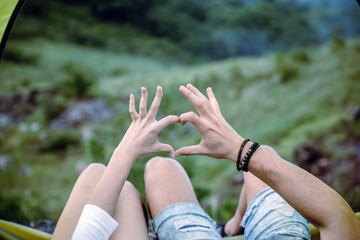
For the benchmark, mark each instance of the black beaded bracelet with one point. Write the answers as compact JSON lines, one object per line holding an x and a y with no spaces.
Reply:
{"x":238,"y":167}
{"x":248,"y":155}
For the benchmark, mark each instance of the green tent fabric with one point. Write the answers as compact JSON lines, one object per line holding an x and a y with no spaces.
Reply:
{"x":9,"y":9}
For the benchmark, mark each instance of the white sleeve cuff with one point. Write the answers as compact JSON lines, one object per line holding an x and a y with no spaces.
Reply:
{"x":94,"y":223}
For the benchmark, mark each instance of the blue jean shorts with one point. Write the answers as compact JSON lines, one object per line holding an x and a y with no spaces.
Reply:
{"x":181,"y":221}
{"x":269,"y":216}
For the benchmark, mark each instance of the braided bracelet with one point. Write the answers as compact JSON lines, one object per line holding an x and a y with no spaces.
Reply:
{"x":248,"y":155}
{"x":238,"y":167}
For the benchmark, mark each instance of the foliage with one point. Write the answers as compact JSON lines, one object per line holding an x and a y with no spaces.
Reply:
{"x":204,"y":28}
{"x":191,"y":28}
{"x":17,"y":55}
{"x":287,"y":69}
{"x":96,"y":149}
{"x":60,"y":141}
{"x":78,"y":83}
{"x":53,"y":107}
{"x":337,"y":44}
{"x":241,"y":85}
{"x":288,"y":73}
{"x":301,"y":56}
{"x":281,"y":101}
{"x":13,"y":207}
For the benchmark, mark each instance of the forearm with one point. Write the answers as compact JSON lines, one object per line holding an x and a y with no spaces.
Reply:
{"x":108,"y":189}
{"x":313,"y":199}
{"x":241,"y":208}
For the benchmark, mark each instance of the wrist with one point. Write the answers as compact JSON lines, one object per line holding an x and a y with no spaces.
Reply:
{"x":126,"y":151}
{"x":236,"y":143}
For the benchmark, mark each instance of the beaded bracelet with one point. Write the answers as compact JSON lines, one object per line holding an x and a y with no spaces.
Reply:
{"x":248,"y":155}
{"x":238,"y":167}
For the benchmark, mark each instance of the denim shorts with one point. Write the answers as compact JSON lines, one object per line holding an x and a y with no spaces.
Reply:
{"x":181,"y":221}
{"x":269,"y":216}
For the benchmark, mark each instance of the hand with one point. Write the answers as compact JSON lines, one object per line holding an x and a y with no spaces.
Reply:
{"x":141,"y":137}
{"x":232,"y":227}
{"x":219,"y":139}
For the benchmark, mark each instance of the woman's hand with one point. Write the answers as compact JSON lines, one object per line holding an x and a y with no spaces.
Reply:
{"x":219,"y":139}
{"x":141,"y":137}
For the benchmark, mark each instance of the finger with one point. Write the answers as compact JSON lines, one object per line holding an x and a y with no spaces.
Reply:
{"x":166,"y":121}
{"x":156,"y":102}
{"x":193,"y":119}
{"x":134,"y":115}
{"x":190,"y":150}
{"x":195,"y":100}
{"x":189,"y":117}
{"x":165,"y":148}
{"x":195,"y":91}
{"x":143,"y":101}
{"x":214,"y":103}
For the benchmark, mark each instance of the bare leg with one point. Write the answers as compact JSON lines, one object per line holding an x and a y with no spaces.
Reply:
{"x":80,"y":195}
{"x":252,"y":186}
{"x":130,"y":215}
{"x":166,"y":183}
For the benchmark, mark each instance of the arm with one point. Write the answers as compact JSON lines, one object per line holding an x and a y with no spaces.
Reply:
{"x":312,"y":198}
{"x":233,"y":227}
{"x":140,"y":139}
{"x":317,"y":202}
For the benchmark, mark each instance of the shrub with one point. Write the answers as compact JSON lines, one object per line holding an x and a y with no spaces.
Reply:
{"x":53,"y":107}
{"x":236,"y":72}
{"x":286,"y":69}
{"x":17,"y":55}
{"x":9,"y":207}
{"x":15,"y":207}
{"x":119,"y":71}
{"x":357,"y":47}
{"x":301,"y":56}
{"x":96,"y":149}
{"x":78,"y":83}
{"x":337,"y":44}
{"x":87,"y":37}
{"x":61,"y":141}
{"x":288,"y":73}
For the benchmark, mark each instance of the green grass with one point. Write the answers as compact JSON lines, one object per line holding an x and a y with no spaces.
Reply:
{"x":252,"y":96}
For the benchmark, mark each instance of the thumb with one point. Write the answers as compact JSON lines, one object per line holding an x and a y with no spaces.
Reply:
{"x":166,"y":148}
{"x":190,"y":150}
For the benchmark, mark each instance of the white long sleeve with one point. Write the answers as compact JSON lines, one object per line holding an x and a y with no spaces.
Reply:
{"x":94,"y":224}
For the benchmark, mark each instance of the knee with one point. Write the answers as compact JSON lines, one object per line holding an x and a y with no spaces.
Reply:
{"x":94,"y":168}
{"x":156,"y":166}
{"x":270,"y":150}
{"x":93,"y":172}
{"x":90,"y":177}
{"x":130,"y":190}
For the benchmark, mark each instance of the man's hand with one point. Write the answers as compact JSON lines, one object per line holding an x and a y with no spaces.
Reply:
{"x":141,"y":137}
{"x":219,"y":139}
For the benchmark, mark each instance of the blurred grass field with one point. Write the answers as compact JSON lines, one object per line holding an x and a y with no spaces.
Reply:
{"x":283,"y":100}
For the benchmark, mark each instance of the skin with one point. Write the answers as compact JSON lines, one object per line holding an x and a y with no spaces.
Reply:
{"x":252,"y":185}
{"x":318,"y":203}
{"x":313,"y":199}
{"x":106,"y":187}
{"x":142,"y":132}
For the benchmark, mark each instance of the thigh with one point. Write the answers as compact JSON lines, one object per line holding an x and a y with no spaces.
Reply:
{"x":166,"y":183}
{"x":79,"y":196}
{"x":130,"y":215}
